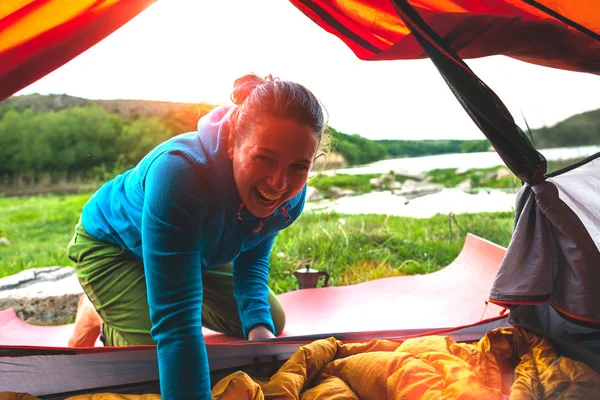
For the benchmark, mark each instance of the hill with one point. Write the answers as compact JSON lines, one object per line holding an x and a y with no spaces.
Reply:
{"x":179,"y":117}
{"x":127,"y":108}
{"x":578,"y":130}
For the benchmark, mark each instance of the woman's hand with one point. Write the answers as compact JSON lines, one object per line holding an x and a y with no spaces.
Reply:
{"x":260,"y":332}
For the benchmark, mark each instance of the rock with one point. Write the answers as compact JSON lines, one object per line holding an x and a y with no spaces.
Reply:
{"x":417,"y":176}
{"x":389,"y":181}
{"x":335,"y":192}
{"x":503,"y":173}
{"x":410,"y":184}
{"x":411,"y":189}
{"x":384,"y":182}
{"x":489,"y":177}
{"x":395,"y":185}
{"x":4,"y":242}
{"x":44,"y":296}
{"x":376,"y":183}
{"x":312,"y":194}
{"x":465,"y":185}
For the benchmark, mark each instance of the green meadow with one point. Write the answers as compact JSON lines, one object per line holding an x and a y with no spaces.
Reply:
{"x":352,"y":248}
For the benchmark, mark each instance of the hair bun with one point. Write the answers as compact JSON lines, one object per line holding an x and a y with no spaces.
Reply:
{"x":242,"y":87}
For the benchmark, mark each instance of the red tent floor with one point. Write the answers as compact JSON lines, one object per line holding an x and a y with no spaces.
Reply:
{"x":454,"y":296}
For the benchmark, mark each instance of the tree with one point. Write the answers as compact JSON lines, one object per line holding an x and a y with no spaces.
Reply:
{"x":140,"y":137}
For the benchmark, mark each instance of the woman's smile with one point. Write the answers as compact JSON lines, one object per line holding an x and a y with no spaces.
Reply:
{"x":267,"y":196}
{"x":266,"y":200}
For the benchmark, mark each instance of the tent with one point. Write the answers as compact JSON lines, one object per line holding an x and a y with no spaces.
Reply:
{"x":549,"y":277}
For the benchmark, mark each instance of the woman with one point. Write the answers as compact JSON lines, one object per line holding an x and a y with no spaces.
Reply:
{"x":183,"y":239}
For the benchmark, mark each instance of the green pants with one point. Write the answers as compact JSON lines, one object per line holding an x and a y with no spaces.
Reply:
{"x":114,"y":281}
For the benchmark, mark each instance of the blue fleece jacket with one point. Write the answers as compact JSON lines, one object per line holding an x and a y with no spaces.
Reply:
{"x":179,"y":212}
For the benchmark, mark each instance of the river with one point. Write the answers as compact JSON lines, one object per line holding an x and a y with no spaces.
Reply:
{"x":462,"y":161}
{"x":448,"y":200}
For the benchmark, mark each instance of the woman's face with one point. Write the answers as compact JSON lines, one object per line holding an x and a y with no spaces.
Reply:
{"x":271,"y":164}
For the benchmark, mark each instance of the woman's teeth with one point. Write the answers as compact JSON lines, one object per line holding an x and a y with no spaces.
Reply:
{"x":268,"y":196}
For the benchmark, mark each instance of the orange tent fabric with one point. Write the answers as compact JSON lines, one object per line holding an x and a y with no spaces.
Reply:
{"x":38,"y":36}
{"x":473,"y":28}
{"x":506,"y":360}
{"x":586,"y":13}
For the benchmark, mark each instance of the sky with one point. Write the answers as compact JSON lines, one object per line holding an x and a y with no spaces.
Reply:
{"x":192,"y":51}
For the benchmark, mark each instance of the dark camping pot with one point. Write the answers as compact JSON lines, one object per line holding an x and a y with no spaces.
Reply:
{"x":309,"y":278}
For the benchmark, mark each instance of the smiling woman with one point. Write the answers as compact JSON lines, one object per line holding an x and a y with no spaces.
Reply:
{"x":183,"y":239}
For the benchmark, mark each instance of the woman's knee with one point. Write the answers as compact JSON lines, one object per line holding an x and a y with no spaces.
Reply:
{"x":277,"y":313}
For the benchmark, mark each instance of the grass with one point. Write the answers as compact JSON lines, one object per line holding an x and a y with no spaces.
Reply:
{"x":357,"y":248}
{"x":357,"y":183}
{"x":352,"y":248}
{"x":39,"y":229}
{"x":480,"y":178}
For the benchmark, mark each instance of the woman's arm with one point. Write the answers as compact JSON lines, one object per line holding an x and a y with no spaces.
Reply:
{"x":251,"y":278}
{"x":171,"y":227}
{"x":250,"y":286}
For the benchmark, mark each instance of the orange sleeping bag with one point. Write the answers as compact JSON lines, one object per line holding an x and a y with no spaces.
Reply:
{"x":507,"y":361}
{"x":431,"y":367}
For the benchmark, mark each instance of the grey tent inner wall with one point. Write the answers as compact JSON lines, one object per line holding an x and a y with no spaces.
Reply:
{"x":550,"y":276}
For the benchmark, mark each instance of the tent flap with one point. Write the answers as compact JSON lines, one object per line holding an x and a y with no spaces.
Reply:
{"x":476,"y":28}
{"x":554,"y":254}
{"x":40,"y":36}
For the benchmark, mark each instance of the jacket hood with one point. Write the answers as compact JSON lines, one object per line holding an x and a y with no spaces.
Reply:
{"x":213,"y":133}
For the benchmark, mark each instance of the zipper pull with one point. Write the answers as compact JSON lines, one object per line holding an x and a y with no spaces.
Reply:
{"x":260,"y":225}
{"x":240,"y":211}
{"x":286,"y":217}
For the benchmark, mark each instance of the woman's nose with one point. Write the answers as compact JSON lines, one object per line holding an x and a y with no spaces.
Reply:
{"x":277,"y":180}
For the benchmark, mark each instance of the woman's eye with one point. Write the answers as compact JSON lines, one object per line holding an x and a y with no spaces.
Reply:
{"x":300,"y":167}
{"x":265,"y":159}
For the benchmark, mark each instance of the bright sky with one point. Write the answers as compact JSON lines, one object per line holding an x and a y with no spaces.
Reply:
{"x":192,"y":51}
